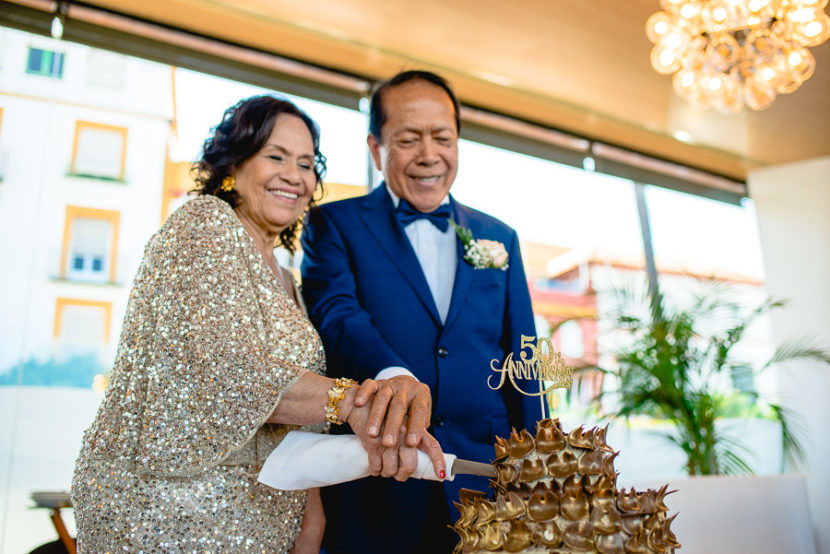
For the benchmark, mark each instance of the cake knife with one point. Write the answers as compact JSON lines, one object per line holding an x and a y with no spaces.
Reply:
{"x":468,"y":467}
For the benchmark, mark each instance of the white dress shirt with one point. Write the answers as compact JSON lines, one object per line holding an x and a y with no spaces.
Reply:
{"x":437,"y":255}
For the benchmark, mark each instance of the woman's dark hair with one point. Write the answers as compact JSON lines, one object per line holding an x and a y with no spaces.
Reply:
{"x":243,"y":132}
{"x":377,"y":113}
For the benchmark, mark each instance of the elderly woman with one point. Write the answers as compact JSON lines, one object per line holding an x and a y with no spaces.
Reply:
{"x":217,"y":361}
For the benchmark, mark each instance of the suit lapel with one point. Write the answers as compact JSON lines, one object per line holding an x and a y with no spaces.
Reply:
{"x":464,"y":271}
{"x":379,"y":216}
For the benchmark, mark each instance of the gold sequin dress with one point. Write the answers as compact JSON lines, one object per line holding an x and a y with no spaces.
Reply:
{"x":210,"y":343}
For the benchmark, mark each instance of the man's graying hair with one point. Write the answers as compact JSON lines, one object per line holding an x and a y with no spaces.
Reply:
{"x":377,"y":115}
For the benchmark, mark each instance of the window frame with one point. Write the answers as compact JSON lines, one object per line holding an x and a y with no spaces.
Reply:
{"x":81,"y":212}
{"x":80,"y":125}
{"x":62,"y":302}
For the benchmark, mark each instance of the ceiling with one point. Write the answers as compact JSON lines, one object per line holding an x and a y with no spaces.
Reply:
{"x":575,"y":65}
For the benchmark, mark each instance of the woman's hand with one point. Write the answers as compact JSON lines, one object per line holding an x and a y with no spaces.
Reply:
{"x":358,"y":419}
{"x":401,"y":462}
{"x":400,"y":405}
{"x":314,"y":525}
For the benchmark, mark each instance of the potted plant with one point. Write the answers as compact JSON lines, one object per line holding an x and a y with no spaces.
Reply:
{"x":681,"y":362}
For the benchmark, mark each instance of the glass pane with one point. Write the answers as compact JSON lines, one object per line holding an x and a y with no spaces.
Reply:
{"x":99,"y":152}
{"x":578,"y":231}
{"x":705,"y":236}
{"x":83,"y":326}
{"x":91,"y":236}
{"x":35,"y":60}
{"x":90,"y":246}
{"x":202,"y":99}
{"x":549,"y":203}
{"x":702,"y":246}
{"x":57,"y":65}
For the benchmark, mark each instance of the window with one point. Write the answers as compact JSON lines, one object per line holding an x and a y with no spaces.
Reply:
{"x":88,"y":253}
{"x":45,"y":62}
{"x":82,"y":322}
{"x":90,"y":247}
{"x":99,"y":150}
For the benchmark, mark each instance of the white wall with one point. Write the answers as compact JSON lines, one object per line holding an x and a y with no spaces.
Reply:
{"x":793,"y":206}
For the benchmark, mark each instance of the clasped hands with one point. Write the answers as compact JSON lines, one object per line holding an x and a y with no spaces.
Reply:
{"x":391,"y":416}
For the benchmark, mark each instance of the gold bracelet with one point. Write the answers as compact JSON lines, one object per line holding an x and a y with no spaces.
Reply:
{"x":336,"y":394}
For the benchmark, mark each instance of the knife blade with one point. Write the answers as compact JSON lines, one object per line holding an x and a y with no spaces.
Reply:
{"x":468,"y":467}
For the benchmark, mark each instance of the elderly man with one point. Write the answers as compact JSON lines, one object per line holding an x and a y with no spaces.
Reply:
{"x":396,"y":297}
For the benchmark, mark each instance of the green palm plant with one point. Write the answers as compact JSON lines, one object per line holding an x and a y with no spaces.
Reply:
{"x":681,"y":364}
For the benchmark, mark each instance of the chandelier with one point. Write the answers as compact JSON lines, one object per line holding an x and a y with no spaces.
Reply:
{"x":727,"y":53}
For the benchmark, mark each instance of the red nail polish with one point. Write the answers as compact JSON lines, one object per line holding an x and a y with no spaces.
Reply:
{"x":442,"y":474}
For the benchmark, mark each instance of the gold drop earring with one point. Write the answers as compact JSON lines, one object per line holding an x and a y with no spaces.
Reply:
{"x":228,"y":183}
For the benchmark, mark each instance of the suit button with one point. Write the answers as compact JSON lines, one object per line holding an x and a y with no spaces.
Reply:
{"x":442,"y":352}
{"x":439,"y":421}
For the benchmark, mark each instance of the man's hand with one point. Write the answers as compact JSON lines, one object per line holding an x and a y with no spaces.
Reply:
{"x":399,"y":401}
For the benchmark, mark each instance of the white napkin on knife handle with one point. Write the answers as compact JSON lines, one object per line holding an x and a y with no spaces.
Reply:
{"x":305,"y":460}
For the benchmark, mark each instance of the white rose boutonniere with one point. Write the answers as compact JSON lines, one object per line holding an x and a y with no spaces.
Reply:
{"x":481,"y":253}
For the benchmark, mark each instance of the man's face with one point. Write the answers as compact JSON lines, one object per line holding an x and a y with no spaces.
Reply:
{"x":418,"y":149}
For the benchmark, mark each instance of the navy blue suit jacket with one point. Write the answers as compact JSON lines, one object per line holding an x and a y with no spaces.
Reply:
{"x":369,"y":299}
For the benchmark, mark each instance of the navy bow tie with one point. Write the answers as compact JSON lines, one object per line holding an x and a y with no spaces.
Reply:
{"x":439,"y":217}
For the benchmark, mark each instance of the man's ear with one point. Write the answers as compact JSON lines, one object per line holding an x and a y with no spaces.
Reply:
{"x":374,"y":148}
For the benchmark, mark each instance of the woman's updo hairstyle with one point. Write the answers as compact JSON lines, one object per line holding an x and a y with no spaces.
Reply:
{"x":243,"y":132}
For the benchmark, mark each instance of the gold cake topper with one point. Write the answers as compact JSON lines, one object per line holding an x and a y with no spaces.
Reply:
{"x":545,"y":366}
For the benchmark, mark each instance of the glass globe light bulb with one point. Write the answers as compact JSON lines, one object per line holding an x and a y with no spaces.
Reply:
{"x":725,"y":94}
{"x":758,"y":95}
{"x":664,"y":60}
{"x":685,"y":84}
{"x":690,"y":10}
{"x":815,"y":32}
{"x":657,"y":26}
{"x":801,"y":62}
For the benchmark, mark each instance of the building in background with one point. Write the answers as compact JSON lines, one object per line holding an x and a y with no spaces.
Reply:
{"x":84,"y":134}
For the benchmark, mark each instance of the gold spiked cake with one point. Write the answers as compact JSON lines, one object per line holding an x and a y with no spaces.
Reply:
{"x":556,"y":493}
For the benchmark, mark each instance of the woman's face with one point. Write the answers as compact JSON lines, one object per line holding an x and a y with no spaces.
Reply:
{"x":276,"y":184}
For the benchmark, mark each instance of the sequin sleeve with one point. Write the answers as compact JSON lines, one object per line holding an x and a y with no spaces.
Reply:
{"x":223,"y":349}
